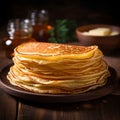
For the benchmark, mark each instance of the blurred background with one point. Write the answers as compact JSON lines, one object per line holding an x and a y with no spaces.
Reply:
{"x":84,"y":11}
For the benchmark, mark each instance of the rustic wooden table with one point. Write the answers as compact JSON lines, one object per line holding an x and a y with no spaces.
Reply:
{"x":104,"y":108}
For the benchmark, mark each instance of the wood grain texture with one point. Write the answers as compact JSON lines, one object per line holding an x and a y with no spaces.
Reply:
{"x":105,"y":108}
{"x":8,"y":107}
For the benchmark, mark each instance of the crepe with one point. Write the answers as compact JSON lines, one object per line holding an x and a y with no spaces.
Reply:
{"x":58,"y":68}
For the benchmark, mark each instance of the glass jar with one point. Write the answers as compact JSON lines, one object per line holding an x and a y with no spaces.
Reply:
{"x":19,"y":31}
{"x":40,"y":23}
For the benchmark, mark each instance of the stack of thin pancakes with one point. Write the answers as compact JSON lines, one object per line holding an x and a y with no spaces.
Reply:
{"x":58,"y":68}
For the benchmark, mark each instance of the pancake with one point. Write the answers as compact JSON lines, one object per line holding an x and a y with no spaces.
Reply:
{"x":53,"y":51}
{"x":53,"y":68}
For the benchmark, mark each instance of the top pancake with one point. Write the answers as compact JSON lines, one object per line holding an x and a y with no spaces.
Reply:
{"x":55,"y":50}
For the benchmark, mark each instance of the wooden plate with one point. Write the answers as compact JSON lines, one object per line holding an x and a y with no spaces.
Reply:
{"x":48,"y":98}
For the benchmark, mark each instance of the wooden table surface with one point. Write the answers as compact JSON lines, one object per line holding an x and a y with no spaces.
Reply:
{"x":104,"y":108}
